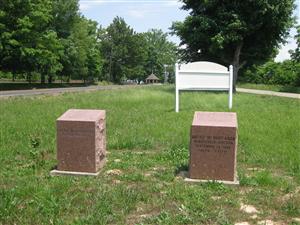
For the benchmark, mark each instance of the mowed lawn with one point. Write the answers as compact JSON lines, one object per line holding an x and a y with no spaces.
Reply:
{"x":148,"y":144}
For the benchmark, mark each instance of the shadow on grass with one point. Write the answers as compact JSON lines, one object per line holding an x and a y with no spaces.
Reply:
{"x":181,"y":170}
{"x":27,"y":86}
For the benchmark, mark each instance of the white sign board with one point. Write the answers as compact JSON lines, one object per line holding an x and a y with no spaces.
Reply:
{"x":203,"y":76}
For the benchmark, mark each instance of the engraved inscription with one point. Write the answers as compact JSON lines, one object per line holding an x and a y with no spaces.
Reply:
{"x":217,"y":144}
{"x":71,"y":132}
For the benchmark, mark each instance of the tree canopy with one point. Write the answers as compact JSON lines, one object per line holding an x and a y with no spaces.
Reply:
{"x":295,"y":54}
{"x":46,"y":39}
{"x":240,"y":33}
{"x":131,"y":55}
{"x":161,"y":53}
{"x":122,"y":49}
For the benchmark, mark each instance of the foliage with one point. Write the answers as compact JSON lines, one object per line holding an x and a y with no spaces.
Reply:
{"x":131,"y":55}
{"x":65,"y":15}
{"x":122,"y":50}
{"x":48,"y":38}
{"x":234,"y":32}
{"x":28,"y":43}
{"x":82,"y":59}
{"x":295,"y":54}
{"x":159,"y":52}
{"x":282,"y":73}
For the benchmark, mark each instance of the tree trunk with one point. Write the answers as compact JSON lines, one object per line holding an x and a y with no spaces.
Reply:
{"x":29,"y":78}
{"x":13,"y":75}
{"x":50,"y":79}
{"x":43,"y":78}
{"x":235,"y":76}
{"x":236,"y":64}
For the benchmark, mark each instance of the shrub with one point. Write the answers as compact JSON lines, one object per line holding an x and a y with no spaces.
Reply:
{"x":282,"y":73}
{"x":6,"y":75}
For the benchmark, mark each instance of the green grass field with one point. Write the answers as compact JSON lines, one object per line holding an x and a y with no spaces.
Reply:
{"x":147,"y":145}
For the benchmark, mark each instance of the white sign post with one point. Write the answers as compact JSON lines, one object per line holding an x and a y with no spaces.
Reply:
{"x":203,"y":76}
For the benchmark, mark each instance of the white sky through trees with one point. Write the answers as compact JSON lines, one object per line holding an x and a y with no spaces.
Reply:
{"x":143,"y":15}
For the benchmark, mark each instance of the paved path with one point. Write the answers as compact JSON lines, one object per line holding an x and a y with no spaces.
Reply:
{"x":273,"y":93}
{"x":53,"y":91}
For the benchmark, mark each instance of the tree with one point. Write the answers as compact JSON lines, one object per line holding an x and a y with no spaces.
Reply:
{"x":65,"y":14}
{"x":295,"y":54}
{"x":28,"y":43}
{"x":10,"y":41}
{"x":94,"y":60}
{"x":160,"y":52}
{"x":234,"y":32}
{"x":49,"y":38}
{"x":82,"y":57}
{"x":123,"y":52}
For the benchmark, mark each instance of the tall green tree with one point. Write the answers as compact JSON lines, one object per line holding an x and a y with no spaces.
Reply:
{"x":65,"y":14}
{"x":295,"y":54}
{"x":123,"y":52}
{"x":11,"y":14}
{"x":234,"y":32}
{"x":48,"y":37}
{"x":82,"y":58}
{"x":28,"y":43}
{"x":160,"y":52}
{"x":94,"y":60}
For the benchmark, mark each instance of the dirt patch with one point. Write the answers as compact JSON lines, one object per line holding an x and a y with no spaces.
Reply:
{"x":141,"y":213}
{"x":116,"y":181}
{"x":294,"y":194}
{"x":245,"y":190}
{"x":255,"y":169}
{"x":296,"y":220}
{"x":114,"y":172}
{"x":148,"y":174}
{"x":268,"y":222}
{"x":250,"y":209}
{"x":117,"y":160}
{"x":215,"y":198}
{"x":254,"y":216}
{"x":159,"y":169}
{"x":242,"y":223}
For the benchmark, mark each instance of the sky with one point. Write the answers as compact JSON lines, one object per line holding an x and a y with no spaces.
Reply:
{"x":143,"y":15}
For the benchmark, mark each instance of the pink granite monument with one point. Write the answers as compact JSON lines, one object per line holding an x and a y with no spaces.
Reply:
{"x":213,"y":147}
{"x":81,"y":142}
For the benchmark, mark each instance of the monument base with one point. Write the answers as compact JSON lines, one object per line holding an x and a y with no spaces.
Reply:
{"x":184,"y":175}
{"x":236,"y":182}
{"x":71,"y":173}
